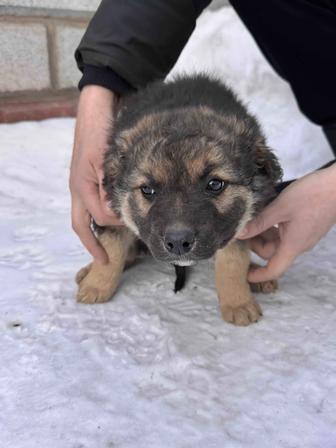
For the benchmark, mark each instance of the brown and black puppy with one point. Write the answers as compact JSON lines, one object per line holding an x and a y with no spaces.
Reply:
{"x":186,"y":168}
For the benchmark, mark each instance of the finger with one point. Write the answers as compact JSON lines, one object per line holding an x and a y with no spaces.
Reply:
{"x":266,"y":244}
{"x":93,"y":204}
{"x":265,"y":249}
{"x":267,"y":218}
{"x":276,"y":266}
{"x":272,"y":234}
{"x":113,"y":219}
{"x":81,"y":224}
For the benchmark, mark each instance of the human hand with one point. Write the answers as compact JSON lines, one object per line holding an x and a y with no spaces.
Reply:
{"x":94,"y":119}
{"x":304,"y":212}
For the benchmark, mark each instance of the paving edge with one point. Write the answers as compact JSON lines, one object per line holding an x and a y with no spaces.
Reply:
{"x":25,"y":109}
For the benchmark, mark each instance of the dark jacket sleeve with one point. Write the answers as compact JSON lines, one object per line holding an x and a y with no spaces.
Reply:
{"x":130,"y":43}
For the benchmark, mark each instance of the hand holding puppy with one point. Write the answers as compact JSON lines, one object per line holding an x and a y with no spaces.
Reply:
{"x":304,"y":212}
{"x":95,"y":115}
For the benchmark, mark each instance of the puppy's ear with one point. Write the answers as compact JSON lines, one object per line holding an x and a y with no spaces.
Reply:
{"x":267,"y":163}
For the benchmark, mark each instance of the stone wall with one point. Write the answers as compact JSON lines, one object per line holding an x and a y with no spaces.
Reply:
{"x":37,"y":42}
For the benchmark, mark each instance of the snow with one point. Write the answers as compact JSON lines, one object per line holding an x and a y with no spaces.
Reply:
{"x":151,"y":368}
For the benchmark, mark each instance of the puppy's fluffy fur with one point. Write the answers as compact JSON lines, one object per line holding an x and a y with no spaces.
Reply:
{"x":187,"y":166}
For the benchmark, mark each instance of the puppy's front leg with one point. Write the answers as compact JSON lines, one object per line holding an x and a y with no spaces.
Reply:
{"x":236,"y":301}
{"x":97,"y":282}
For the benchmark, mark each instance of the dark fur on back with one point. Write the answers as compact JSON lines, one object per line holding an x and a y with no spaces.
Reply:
{"x":183,"y":91}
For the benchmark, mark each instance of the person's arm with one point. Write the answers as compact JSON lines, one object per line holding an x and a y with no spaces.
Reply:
{"x":127,"y":44}
{"x":305,"y":211}
{"x":94,"y":118}
{"x":137,"y":41}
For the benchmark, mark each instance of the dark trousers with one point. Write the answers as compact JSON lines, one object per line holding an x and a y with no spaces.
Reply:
{"x":298,"y":37}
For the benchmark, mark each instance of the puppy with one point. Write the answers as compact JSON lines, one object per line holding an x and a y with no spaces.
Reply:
{"x":186,"y":167}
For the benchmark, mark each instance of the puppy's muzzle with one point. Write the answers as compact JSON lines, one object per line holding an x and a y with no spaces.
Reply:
{"x":179,"y":241}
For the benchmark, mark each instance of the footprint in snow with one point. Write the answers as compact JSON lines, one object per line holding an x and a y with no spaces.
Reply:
{"x":22,"y":258}
{"x":30,"y":233}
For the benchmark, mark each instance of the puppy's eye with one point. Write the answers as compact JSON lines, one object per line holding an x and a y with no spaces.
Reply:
{"x":215,"y":185}
{"x":147,"y":191}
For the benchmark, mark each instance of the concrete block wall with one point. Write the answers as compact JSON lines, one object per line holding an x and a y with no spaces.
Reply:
{"x":38,"y":73}
{"x":37,"y":42}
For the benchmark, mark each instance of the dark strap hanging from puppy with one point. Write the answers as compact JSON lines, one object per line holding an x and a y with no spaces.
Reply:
{"x":181,"y":276}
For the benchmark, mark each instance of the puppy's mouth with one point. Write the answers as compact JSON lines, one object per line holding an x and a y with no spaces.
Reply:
{"x":178,"y":260}
{"x":183,"y":262}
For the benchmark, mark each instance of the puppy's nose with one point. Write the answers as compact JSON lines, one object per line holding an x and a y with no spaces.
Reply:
{"x":179,"y":241}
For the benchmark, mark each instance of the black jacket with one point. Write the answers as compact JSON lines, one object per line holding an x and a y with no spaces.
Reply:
{"x":130,"y":43}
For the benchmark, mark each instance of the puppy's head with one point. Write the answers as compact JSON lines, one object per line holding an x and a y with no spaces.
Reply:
{"x":187,"y":181}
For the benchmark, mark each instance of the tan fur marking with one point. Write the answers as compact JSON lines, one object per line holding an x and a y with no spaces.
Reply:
{"x":160,"y":169}
{"x":142,"y":203}
{"x":237,"y":124}
{"x":150,"y":122}
{"x":97,"y":282}
{"x":235,"y":299}
{"x":227,"y":174}
{"x":228,"y":120}
{"x":126,"y":214}
{"x":127,"y":137}
{"x":150,"y":126}
{"x":137,"y":180}
{"x":247,"y":215}
{"x":196,"y":166}
{"x":227,"y":198}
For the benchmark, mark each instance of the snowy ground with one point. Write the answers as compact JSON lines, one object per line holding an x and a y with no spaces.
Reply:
{"x":154,"y":369}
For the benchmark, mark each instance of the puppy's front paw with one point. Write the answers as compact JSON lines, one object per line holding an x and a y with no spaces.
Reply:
{"x":242,"y":315}
{"x":94,"y":286}
{"x":90,"y":294}
{"x":82,"y":273}
{"x":265,"y":287}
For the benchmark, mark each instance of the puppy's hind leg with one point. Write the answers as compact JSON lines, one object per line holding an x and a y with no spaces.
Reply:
{"x":97,"y":282}
{"x":236,"y":301}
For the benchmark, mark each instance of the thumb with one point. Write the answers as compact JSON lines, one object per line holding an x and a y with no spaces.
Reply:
{"x":264,"y":221}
